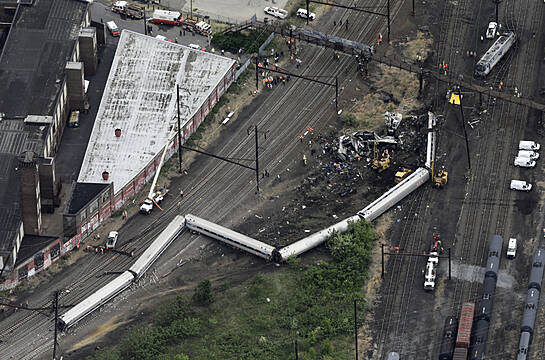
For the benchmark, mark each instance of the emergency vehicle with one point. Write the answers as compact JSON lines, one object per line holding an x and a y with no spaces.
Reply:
{"x":167,"y":17}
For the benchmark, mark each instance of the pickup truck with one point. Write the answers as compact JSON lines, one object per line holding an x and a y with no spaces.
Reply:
{"x":276,"y":12}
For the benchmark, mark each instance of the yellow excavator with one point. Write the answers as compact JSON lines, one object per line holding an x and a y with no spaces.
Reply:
{"x":380,"y":164}
{"x":440,"y":179}
{"x":402,"y":174}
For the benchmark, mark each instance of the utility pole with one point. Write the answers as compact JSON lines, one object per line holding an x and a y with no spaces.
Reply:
{"x":296,"y":350}
{"x":336,"y":94}
{"x":179,"y":129}
{"x":191,"y":9}
{"x":414,"y":12}
{"x":308,"y":11}
{"x":356,"y":326}
{"x":382,"y":273}
{"x":497,"y":3}
{"x":388,"y":21}
{"x":464,"y":127}
{"x":256,"y":158}
{"x":56,"y":321}
{"x":449,"y":263}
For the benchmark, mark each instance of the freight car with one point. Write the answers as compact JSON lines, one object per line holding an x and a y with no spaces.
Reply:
{"x":530,"y":308}
{"x":449,"y":335}
{"x":465,"y":324}
{"x":482,"y":316}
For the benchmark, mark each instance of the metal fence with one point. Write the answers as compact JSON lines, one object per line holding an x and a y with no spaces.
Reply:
{"x":264,"y":45}
{"x":242,"y":69}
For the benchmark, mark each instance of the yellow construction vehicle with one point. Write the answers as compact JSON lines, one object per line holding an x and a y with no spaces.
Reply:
{"x":402,"y":174}
{"x":440,"y":179}
{"x":382,"y":163}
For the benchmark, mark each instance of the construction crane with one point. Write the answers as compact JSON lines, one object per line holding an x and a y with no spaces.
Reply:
{"x":156,"y":197}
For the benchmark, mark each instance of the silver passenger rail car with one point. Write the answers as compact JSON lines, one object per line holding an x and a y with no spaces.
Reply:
{"x":123,"y":281}
{"x":500,"y":47}
{"x":157,"y":247}
{"x":395,"y":195}
{"x":230,"y":237}
{"x":95,"y":300}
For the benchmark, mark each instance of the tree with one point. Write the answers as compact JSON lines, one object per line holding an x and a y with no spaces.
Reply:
{"x":203,"y":293}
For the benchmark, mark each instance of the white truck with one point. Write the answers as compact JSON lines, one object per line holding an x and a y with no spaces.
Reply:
{"x":524,"y":162}
{"x":167,"y":17}
{"x":276,"y":12}
{"x":520,"y":185}
{"x":430,"y":274}
{"x":155,"y":198}
{"x":529,"y":145}
{"x":302,"y":13}
{"x":512,"y":248}
{"x":528,"y":154}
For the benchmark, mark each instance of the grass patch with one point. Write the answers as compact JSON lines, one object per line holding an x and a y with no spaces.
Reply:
{"x":261,"y":318}
{"x":249,"y":41}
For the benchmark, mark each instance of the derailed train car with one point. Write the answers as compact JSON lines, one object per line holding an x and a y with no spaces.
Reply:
{"x":123,"y":281}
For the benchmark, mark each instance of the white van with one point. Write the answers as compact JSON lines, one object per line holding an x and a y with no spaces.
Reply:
{"x":528,"y":154}
{"x":524,"y":162}
{"x":302,"y":13}
{"x":512,"y":248}
{"x":529,"y":145}
{"x":114,"y":30}
{"x":520,"y":185}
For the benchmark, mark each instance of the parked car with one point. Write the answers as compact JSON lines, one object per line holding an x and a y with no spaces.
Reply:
{"x":112,"y":239}
{"x":524,"y":162}
{"x":520,"y":185}
{"x":491,"y":31}
{"x":302,"y":13}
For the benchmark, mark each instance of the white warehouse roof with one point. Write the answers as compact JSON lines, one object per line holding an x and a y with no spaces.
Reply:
{"x":140,"y":99}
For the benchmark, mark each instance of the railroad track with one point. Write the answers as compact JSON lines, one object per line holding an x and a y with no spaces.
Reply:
{"x":213,"y":172}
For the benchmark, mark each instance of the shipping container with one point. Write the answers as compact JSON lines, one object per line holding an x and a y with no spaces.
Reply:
{"x":465,"y":324}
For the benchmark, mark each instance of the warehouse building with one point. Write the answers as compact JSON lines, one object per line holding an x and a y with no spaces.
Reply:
{"x":42,"y":77}
{"x":137,"y":113}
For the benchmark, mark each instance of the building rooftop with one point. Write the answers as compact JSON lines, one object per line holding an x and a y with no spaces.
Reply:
{"x":139,"y":99}
{"x":30,"y":245}
{"x":81,"y":194}
{"x":41,"y":39}
{"x":40,"y":42}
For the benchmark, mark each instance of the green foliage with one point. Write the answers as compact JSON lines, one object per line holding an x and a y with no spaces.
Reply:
{"x":348,"y":120}
{"x":249,"y":41}
{"x":259,"y":319}
{"x":203,"y":293}
{"x":143,"y":343}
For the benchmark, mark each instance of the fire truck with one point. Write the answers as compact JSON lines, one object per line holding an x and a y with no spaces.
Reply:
{"x":132,"y":11}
